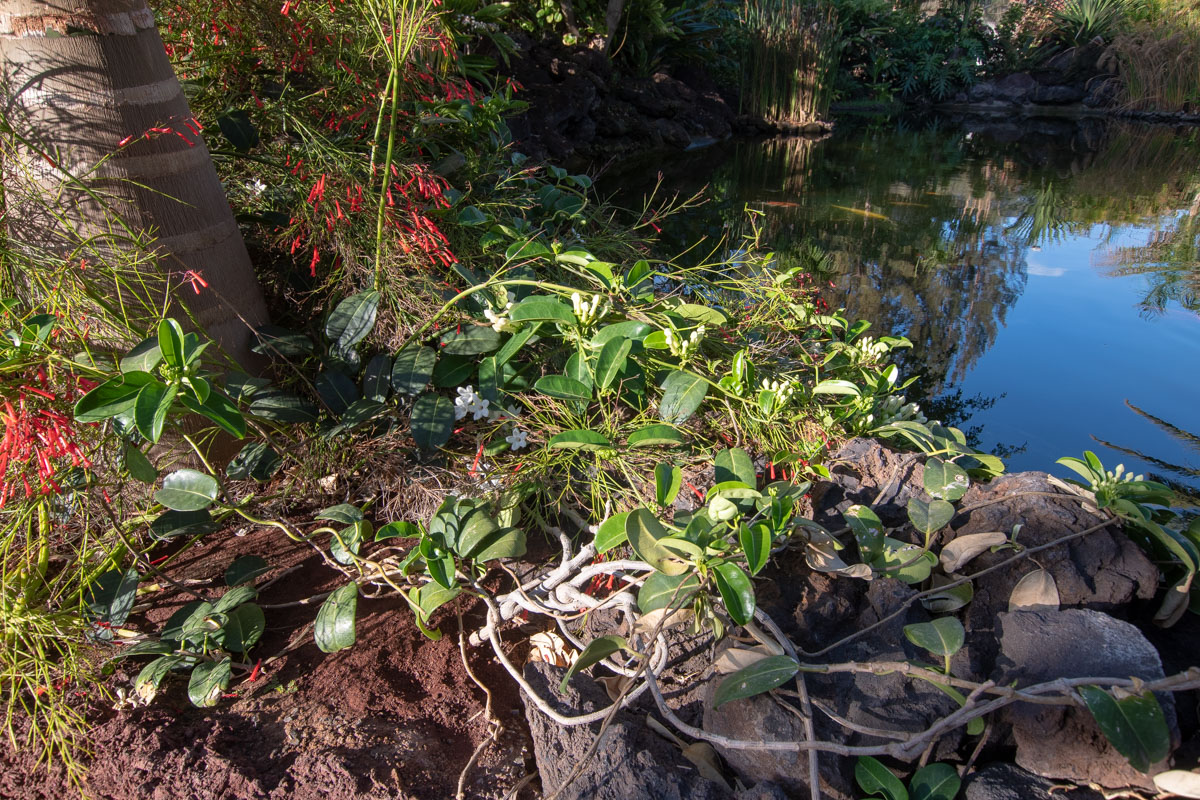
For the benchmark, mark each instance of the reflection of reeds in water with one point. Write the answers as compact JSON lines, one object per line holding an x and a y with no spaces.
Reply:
{"x":788,"y":60}
{"x":1181,"y":478}
{"x":1170,"y":261}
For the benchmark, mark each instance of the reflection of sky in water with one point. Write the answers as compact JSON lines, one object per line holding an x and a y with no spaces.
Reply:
{"x":930,"y":232}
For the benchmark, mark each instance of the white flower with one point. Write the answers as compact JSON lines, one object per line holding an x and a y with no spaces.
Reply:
{"x":517,"y":439}
{"x":469,"y":402}
{"x":257,"y":187}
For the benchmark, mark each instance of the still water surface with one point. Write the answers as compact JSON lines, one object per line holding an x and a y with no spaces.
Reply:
{"x":1046,"y":273}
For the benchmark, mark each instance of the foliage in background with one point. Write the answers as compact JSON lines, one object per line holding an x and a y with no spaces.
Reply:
{"x":789,"y":52}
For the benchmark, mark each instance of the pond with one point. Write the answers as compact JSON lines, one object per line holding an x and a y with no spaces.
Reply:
{"x":1046,"y":271}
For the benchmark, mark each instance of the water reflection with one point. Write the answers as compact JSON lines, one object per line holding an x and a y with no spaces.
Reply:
{"x":936,"y":231}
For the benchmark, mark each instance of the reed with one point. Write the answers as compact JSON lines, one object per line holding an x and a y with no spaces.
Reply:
{"x":1159,"y":64}
{"x":790,"y":53}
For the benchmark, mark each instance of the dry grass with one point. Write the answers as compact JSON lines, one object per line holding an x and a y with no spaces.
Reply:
{"x":1159,"y":64}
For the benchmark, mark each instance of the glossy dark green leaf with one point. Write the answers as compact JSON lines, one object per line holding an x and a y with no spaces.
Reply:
{"x":336,"y":390}
{"x":526,"y":250}
{"x":643,"y":530}
{"x":443,"y":571}
{"x":597,"y":650}
{"x":539,"y":309}
{"x":352,"y":319}
{"x":430,"y":597}
{"x":146,"y":684}
{"x":945,"y":480}
{"x":683,"y":393}
{"x":935,"y":782}
{"x":756,"y":542}
{"x":655,"y":436}
{"x":398,"y":529}
{"x":611,"y":361}
{"x":734,"y":464}
{"x":246,"y":569}
{"x":345,"y":543}
{"x":144,"y":357}
{"x":454,"y":371}
{"x":658,"y":590}
{"x":234,"y":597}
{"x":113,"y":397}
{"x":931,"y":517}
{"x":412,"y":369}
{"x":577,"y":369}
{"x":172,"y":524}
{"x":257,"y":461}
{"x":139,"y":466}
{"x":209,"y":681}
{"x":502,"y":543}
{"x":244,"y":628}
{"x":904,"y":561}
{"x":706,"y":315}
{"x":432,"y":421}
{"x":335,"y":620}
{"x":630,"y":329}
{"x":611,"y":532}
{"x":579,"y":440}
{"x":110,"y":597}
{"x":217,"y":408}
{"x":876,"y":779}
{"x":472,"y":340}
{"x":343,"y":513}
{"x":471,"y":216}
{"x":737,"y":592}
{"x":1134,"y":725}
{"x":668,"y":479}
{"x":761,"y":676}
{"x":376,"y":378}
{"x":170,"y":343}
{"x":563,"y":388}
{"x":943,"y":636}
{"x":515,"y":343}
{"x":187,"y":490}
{"x":238,"y":130}
{"x":868,"y":531}
{"x":276,"y":342}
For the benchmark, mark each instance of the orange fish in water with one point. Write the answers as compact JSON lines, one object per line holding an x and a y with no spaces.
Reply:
{"x":779,"y":204}
{"x":862,"y":212}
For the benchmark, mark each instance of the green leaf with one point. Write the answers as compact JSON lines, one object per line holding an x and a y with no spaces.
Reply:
{"x":874,"y":778}
{"x":630,"y":329}
{"x":611,"y":532}
{"x":761,"y":676}
{"x":246,"y":569}
{"x":525,"y":250}
{"x":412,"y":369}
{"x":502,"y":543}
{"x":756,"y":544}
{"x":146,"y":684}
{"x":335,"y":621}
{"x":244,"y":628}
{"x":171,"y":524}
{"x":209,"y":681}
{"x":238,"y":130}
{"x":904,"y":561}
{"x":931,"y":517}
{"x":139,"y":466}
{"x":170,"y":342}
{"x":281,"y":407}
{"x":376,"y":377}
{"x":943,"y":636}
{"x":683,"y":393}
{"x":655,"y":436}
{"x":114,"y":396}
{"x":398,"y":529}
{"x":187,"y":490}
{"x":579,"y":440}
{"x":668,"y":479}
{"x":734,"y":465}
{"x":224,"y":413}
{"x":472,"y":340}
{"x":837,"y":387}
{"x":344,"y":545}
{"x":935,"y":782}
{"x":257,"y":460}
{"x":144,"y":356}
{"x":110,"y":597}
{"x":563,"y":388}
{"x":868,"y":531}
{"x":643,"y":530}
{"x":343,"y":513}
{"x":736,"y":591}
{"x":706,"y":315}
{"x":537,"y":309}
{"x":430,"y":597}
{"x":443,"y":570}
{"x":945,"y":480}
{"x":596,"y":651}
{"x":471,"y":216}
{"x":336,"y":390}
{"x":611,"y":361}
{"x":515,"y":343}
{"x":352,"y":319}
{"x":234,"y":597}
{"x":658,"y":590}
{"x":1134,"y":725}
{"x":432,"y":421}
{"x":276,"y":342}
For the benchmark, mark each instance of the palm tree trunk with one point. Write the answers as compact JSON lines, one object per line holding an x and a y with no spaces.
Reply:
{"x":78,"y":80}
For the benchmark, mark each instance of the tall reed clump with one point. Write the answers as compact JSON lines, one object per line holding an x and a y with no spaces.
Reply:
{"x":790,"y":52}
{"x":1159,"y":64}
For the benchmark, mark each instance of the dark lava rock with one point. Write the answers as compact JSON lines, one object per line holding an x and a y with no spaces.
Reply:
{"x":1016,"y":87}
{"x":1064,"y":742}
{"x":1010,"y":782}
{"x":1056,"y":95}
{"x":632,"y":763}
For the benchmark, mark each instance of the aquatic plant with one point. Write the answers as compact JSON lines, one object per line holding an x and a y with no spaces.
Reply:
{"x":789,"y":54}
